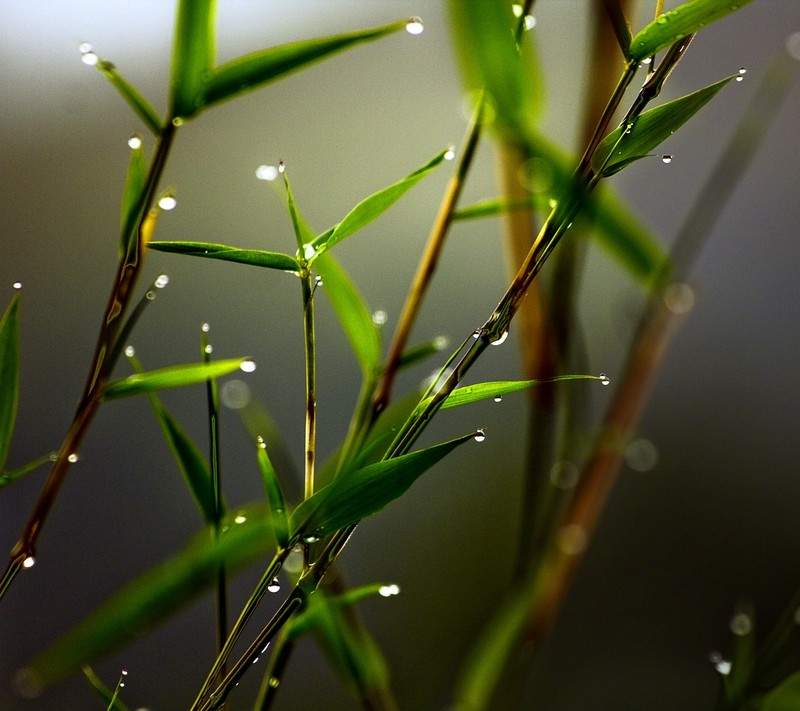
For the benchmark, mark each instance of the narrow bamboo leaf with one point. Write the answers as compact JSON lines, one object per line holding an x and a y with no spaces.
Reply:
{"x":274,"y":492}
{"x":784,"y":697}
{"x":374,"y":206}
{"x":302,"y":232}
{"x":622,"y":146}
{"x":141,"y":106}
{"x":14,"y":474}
{"x":109,"y":697}
{"x":175,"y":376}
{"x":366,"y":491}
{"x":421,"y":351}
{"x":353,"y":314}
{"x":209,"y":250}
{"x":132,"y":197}
{"x":499,"y":206}
{"x":156,"y":594}
{"x":9,"y":375}
{"x":253,"y":70}
{"x":192,"y":55}
{"x":672,"y":26}
{"x":486,"y":391}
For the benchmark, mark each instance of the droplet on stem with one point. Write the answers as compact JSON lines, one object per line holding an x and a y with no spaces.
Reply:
{"x":274,"y":586}
{"x":205,"y":328}
{"x":501,"y":339}
{"x":530,"y":22}
{"x":208,"y":348}
{"x":414,"y":26}
{"x":84,"y":47}
{"x":29,"y":562}
{"x":72,"y":458}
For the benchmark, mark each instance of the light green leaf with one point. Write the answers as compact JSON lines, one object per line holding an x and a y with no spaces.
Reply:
{"x":357,"y":494}
{"x":193,"y":56}
{"x":484,"y":391}
{"x":302,"y":232}
{"x":274,"y":492}
{"x":620,"y":148}
{"x":156,"y":594}
{"x":500,"y":206}
{"x":143,"y":108}
{"x":209,"y":250}
{"x":353,"y":314}
{"x":253,"y":70}
{"x":373,"y":206}
{"x":785,"y":697}
{"x":9,"y":375}
{"x":176,"y":376}
{"x":132,"y":198}
{"x":674,"y":25}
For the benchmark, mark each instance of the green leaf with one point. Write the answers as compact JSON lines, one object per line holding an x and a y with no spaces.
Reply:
{"x":357,"y":494}
{"x":485,"y":391}
{"x":275,"y":497}
{"x":621,"y":147}
{"x":109,"y":697}
{"x":253,"y":70}
{"x":302,"y":232}
{"x":785,"y":697}
{"x":674,"y":25}
{"x":209,"y":250}
{"x":373,"y":206}
{"x":143,"y":108}
{"x":156,"y":594}
{"x":9,"y":375}
{"x":353,"y":314}
{"x":499,"y":206}
{"x":132,"y":198}
{"x":14,"y":474}
{"x":421,"y":351}
{"x":192,"y":56}
{"x":176,"y":376}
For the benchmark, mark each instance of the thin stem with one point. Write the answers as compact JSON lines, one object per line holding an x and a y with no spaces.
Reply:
{"x":311,"y":381}
{"x":273,"y":676}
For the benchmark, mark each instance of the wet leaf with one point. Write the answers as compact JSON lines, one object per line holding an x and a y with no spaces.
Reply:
{"x":176,"y":376}
{"x":209,"y":250}
{"x":485,"y":391}
{"x":275,"y":496}
{"x":132,"y":198}
{"x":141,"y":106}
{"x":9,"y":375}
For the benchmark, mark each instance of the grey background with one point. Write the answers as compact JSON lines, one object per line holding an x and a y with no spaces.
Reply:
{"x":713,"y":522}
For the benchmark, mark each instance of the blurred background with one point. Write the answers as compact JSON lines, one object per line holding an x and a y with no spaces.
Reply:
{"x":711,"y":522}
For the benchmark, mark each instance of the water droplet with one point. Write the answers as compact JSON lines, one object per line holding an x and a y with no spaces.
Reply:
{"x":476,"y":334}
{"x":517,"y":10}
{"x":124,"y":671}
{"x":281,"y":166}
{"x":29,"y":562}
{"x":54,"y":457}
{"x":722,"y":665}
{"x":741,"y":624}
{"x":167,"y":202}
{"x":248,"y":366}
{"x":414,"y":26}
{"x":150,"y":295}
{"x":480,"y":435}
{"x":572,"y":539}
{"x":205,"y":328}
{"x":666,"y":158}
{"x":90,"y":58}
{"x":662,"y":20}
{"x":17,"y":285}
{"x":551,"y":203}
{"x":530,"y":22}
{"x":310,"y":538}
{"x":260,"y":442}
{"x":309,"y":251}
{"x":740,"y":78}
{"x":274,"y":586}
{"x":235,"y":394}
{"x":793,"y":45}
{"x":161,"y":281}
{"x":266,"y":172}
{"x":564,"y":475}
{"x":646,"y":61}
{"x":84,"y":47}
{"x":641,"y":455}
{"x":208,"y":348}
{"x":135,"y":141}
{"x":72,"y":458}
{"x":450,"y":153}
{"x":130,"y":351}
{"x":441,"y":342}
{"x":388,"y":590}
{"x":318,"y":280}
{"x":177,"y":121}
{"x":498,"y":398}
{"x":240,"y":518}
{"x":679,"y":298}
{"x":294,"y":561}
{"x":379,"y":317}
{"x":501,"y":340}
{"x":742,"y":70}
{"x":274,"y":682}
{"x":604,"y":380}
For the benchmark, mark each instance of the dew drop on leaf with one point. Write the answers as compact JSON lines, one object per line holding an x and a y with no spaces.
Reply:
{"x":248,"y":366}
{"x":130,"y":351}
{"x":498,"y":398}
{"x":480,"y":436}
{"x":205,"y":328}
{"x":604,"y":379}
{"x":17,"y":285}
{"x":168,"y":202}
{"x":90,"y":58}
{"x":388,"y":590}
{"x":741,"y":624}
{"x":666,"y":158}
{"x":414,"y":26}
{"x":29,"y":562}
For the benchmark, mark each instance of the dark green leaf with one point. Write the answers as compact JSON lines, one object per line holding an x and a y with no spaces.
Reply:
{"x":9,"y":375}
{"x":353,"y":314}
{"x":302,"y":232}
{"x":253,"y":70}
{"x":785,"y":697}
{"x":275,"y":497}
{"x":14,"y":474}
{"x":621,"y":146}
{"x":193,"y":53}
{"x":421,"y":351}
{"x":144,"y":110}
{"x":372,"y":207}
{"x":209,"y":250}
{"x":175,"y":376}
{"x":158,"y":593}
{"x":132,"y":198}
{"x":355,"y":495}
{"x":672,"y":26}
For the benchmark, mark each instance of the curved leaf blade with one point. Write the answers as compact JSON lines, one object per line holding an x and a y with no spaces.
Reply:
{"x":210,"y":250}
{"x":253,"y":70}
{"x":785,"y":697}
{"x":274,"y":492}
{"x":373,"y":206}
{"x":361,"y":493}
{"x":141,"y":106}
{"x":9,"y":375}
{"x":674,"y":25}
{"x":155,"y":595}
{"x":132,"y":197}
{"x":626,"y":144}
{"x":176,"y":376}
{"x":192,"y":56}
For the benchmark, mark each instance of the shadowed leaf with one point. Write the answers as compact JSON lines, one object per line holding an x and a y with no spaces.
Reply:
{"x":175,"y":376}
{"x":9,"y":375}
{"x":209,"y":250}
